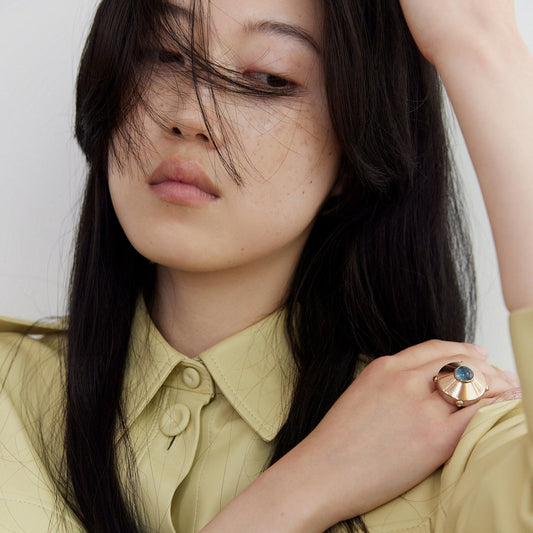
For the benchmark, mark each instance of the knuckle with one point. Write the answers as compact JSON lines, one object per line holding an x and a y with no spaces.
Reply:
{"x":382,"y":364}
{"x":437,"y":344}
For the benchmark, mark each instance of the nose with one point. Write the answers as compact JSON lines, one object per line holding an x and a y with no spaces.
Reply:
{"x":187,"y":133}
{"x":192,"y":122}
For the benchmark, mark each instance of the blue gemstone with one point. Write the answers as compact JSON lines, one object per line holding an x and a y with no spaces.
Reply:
{"x":464,"y":374}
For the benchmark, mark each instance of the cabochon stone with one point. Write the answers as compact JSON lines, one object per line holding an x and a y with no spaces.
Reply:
{"x":464,"y":374}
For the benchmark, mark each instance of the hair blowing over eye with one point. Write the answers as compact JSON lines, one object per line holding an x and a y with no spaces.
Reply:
{"x":387,"y":264}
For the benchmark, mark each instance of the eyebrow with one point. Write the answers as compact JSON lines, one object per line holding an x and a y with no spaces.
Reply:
{"x":180,"y":12}
{"x":281,"y":29}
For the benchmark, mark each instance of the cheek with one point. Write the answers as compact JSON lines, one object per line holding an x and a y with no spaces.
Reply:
{"x":125,"y":189}
{"x":286,"y":203}
{"x":118,"y":181}
{"x":298,"y":142}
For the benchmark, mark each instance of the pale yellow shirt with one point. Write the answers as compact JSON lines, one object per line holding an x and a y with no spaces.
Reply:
{"x":202,"y":430}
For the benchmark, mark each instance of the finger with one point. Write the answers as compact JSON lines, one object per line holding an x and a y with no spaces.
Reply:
{"x":510,"y":394}
{"x":499,"y":386}
{"x":433,"y":367}
{"x":496,"y":380}
{"x":437,"y":349}
{"x":465,"y":414}
{"x":462,"y":416}
{"x":483,"y":366}
{"x":509,"y":376}
{"x":512,"y":377}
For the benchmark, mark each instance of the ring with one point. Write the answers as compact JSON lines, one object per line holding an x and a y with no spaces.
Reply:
{"x":460,"y":384}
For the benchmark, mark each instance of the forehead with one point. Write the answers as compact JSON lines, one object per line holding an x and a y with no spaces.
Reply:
{"x":244,"y":15}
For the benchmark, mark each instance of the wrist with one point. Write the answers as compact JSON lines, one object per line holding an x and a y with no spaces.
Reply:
{"x":480,"y":50}
{"x":286,"y":498}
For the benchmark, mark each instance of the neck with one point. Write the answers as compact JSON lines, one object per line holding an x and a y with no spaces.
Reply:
{"x":195,"y":310}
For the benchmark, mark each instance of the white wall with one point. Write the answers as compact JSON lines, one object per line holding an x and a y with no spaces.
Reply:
{"x":41,"y":169}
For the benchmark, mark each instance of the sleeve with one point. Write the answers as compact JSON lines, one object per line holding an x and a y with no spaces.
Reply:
{"x":487,"y":486}
{"x":521,"y":325}
{"x":28,"y":501}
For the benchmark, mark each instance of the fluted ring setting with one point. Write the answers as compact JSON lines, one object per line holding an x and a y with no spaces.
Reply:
{"x":460,"y":384}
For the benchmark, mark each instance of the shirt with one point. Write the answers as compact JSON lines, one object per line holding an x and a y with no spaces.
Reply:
{"x":203,"y":429}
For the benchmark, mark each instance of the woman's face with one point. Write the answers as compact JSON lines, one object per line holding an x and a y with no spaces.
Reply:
{"x":177,"y":204}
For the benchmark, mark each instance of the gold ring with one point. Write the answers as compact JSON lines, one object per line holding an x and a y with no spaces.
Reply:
{"x":460,"y":384}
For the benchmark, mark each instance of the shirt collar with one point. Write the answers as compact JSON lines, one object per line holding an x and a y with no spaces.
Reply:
{"x":150,"y":361}
{"x":253,"y":369}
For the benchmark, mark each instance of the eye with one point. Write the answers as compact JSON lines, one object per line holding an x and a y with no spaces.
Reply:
{"x":276,"y":82}
{"x":168,"y":56}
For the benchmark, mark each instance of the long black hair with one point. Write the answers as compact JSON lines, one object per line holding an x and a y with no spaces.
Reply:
{"x":387,"y":264}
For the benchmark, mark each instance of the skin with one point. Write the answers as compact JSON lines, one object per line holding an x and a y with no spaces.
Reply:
{"x":254,"y":235}
{"x":488,"y":74}
{"x":240,"y":250}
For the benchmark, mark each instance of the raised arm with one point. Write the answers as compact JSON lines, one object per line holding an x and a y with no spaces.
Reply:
{"x":487,"y":71}
{"x":335,"y":474}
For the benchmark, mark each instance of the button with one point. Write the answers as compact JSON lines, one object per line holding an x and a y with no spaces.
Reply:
{"x":175,"y":420}
{"x":191,"y":377}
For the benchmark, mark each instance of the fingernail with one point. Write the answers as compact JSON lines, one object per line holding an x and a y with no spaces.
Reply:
{"x":481,"y":349}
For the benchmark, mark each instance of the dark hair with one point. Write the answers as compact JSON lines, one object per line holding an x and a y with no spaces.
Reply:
{"x":387,"y":264}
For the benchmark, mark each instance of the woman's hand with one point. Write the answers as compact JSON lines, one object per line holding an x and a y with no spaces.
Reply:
{"x":391,"y":428}
{"x":386,"y":433}
{"x":445,"y":28}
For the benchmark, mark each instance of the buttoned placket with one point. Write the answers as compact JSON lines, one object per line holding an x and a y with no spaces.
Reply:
{"x":174,"y":436}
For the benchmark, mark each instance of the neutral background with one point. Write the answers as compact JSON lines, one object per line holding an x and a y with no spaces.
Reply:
{"x":41,"y":169}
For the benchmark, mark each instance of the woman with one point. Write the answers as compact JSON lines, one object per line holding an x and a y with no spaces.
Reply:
{"x":270,"y":209}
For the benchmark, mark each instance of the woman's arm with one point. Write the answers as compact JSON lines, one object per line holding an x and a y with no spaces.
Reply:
{"x":487,"y":71}
{"x":383,"y":436}
{"x":340,"y":471}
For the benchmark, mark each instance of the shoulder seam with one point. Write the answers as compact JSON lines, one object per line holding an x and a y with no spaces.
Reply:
{"x":15,"y":325}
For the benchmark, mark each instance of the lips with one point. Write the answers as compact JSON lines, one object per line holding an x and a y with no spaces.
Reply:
{"x":183,"y":182}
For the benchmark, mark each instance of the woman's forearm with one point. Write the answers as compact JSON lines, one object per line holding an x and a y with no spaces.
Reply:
{"x":283,"y":499}
{"x":364,"y":452}
{"x":488,"y":73}
{"x":490,"y":85}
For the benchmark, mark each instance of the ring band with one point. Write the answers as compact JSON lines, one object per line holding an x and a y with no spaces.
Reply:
{"x":460,"y":384}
